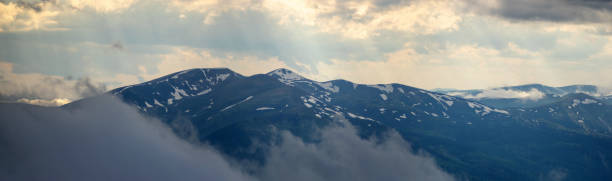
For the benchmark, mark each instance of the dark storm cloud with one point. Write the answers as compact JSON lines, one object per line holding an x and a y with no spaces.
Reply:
{"x":595,"y":4}
{"x":578,"y":11}
{"x":342,"y":155}
{"x":102,"y":140}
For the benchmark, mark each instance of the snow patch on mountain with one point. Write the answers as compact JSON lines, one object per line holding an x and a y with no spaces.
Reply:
{"x":383,"y":97}
{"x":388,"y":88}
{"x":176,"y":76}
{"x":204,"y":92}
{"x":585,"y":101}
{"x":222,"y":77}
{"x":484,"y":110}
{"x":264,"y":108}
{"x":286,"y":76}
{"x":359,"y":117}
{"x":231,"y":106}
{"x":157,"y":103}
{"x":329,"y":86}
{"x":442,"y":98}
{"x":148,"y":105}
{"x":178,"y":93}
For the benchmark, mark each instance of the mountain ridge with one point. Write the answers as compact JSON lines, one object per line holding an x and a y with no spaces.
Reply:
{"x":232,"y":112}
{"x":525,"y":96}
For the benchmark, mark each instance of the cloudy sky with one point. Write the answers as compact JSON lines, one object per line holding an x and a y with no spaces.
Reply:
{"x":61,"y":50}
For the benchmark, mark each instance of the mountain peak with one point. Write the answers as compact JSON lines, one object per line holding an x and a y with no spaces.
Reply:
{"x":285,"y":75}
{"x":190,"y":82}
{"x":280,"y":70}
{"x":198,"y":72}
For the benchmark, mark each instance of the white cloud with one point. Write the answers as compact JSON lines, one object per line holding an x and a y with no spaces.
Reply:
{"x":74,"y":144}
{"x":14,"y":17}
{"x":342,"y":155}
{"x":517,"y":50}
{"x":457,"y":66}
{"x":44,"y":102}
{"x":605,"y":52}
{"x":210,"y":8}
{"x":352,"y":19}
{"x":106,"y":6}
{"x":43,"y":89}
{"x":49,"y":15}
{"x":182,"y":58}
{"x":443,"y":45}
{"x":8,"y":12}
{"x":204,"y":6}
{"x":532,"y":94}
{"x":101,"y":140}
{"x":468,"y":66}
{"x":418,"y":17}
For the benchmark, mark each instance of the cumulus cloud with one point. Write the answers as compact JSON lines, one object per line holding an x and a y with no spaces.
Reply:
{"x":363,"y":19}
{"x":45,"y":102}
{"x":342,"y":155}
{"x":182,"y":58}
{"x":46,"y":15}
{"x":465,"y":66}
{"x":28,"y":16}
{"x":456,"y":66}
{"x":101,"y":140}
{"x":351,"y":19}
{"x":427,"y":44}
{"x":44,"y":89}
{"x":107,"y":6}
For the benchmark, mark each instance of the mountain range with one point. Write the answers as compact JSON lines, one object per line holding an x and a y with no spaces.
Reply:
{"x":529,"y":95}
{"x":471,"y":137}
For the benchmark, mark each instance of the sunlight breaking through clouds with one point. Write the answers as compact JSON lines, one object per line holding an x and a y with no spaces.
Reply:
{"x":426,"y":44}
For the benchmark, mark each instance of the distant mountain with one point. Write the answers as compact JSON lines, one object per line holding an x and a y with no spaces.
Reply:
{"x":468,"y":138}
{"x":588,"y":89}
{"x":524,"y":96}
{"x":607,"y":99}
{"x":575,"y":112}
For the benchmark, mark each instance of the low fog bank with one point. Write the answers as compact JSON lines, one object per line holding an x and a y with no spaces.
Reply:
{"x":532,"y":94}
{"x":108,"y":140}
{"x":342,"y":155}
